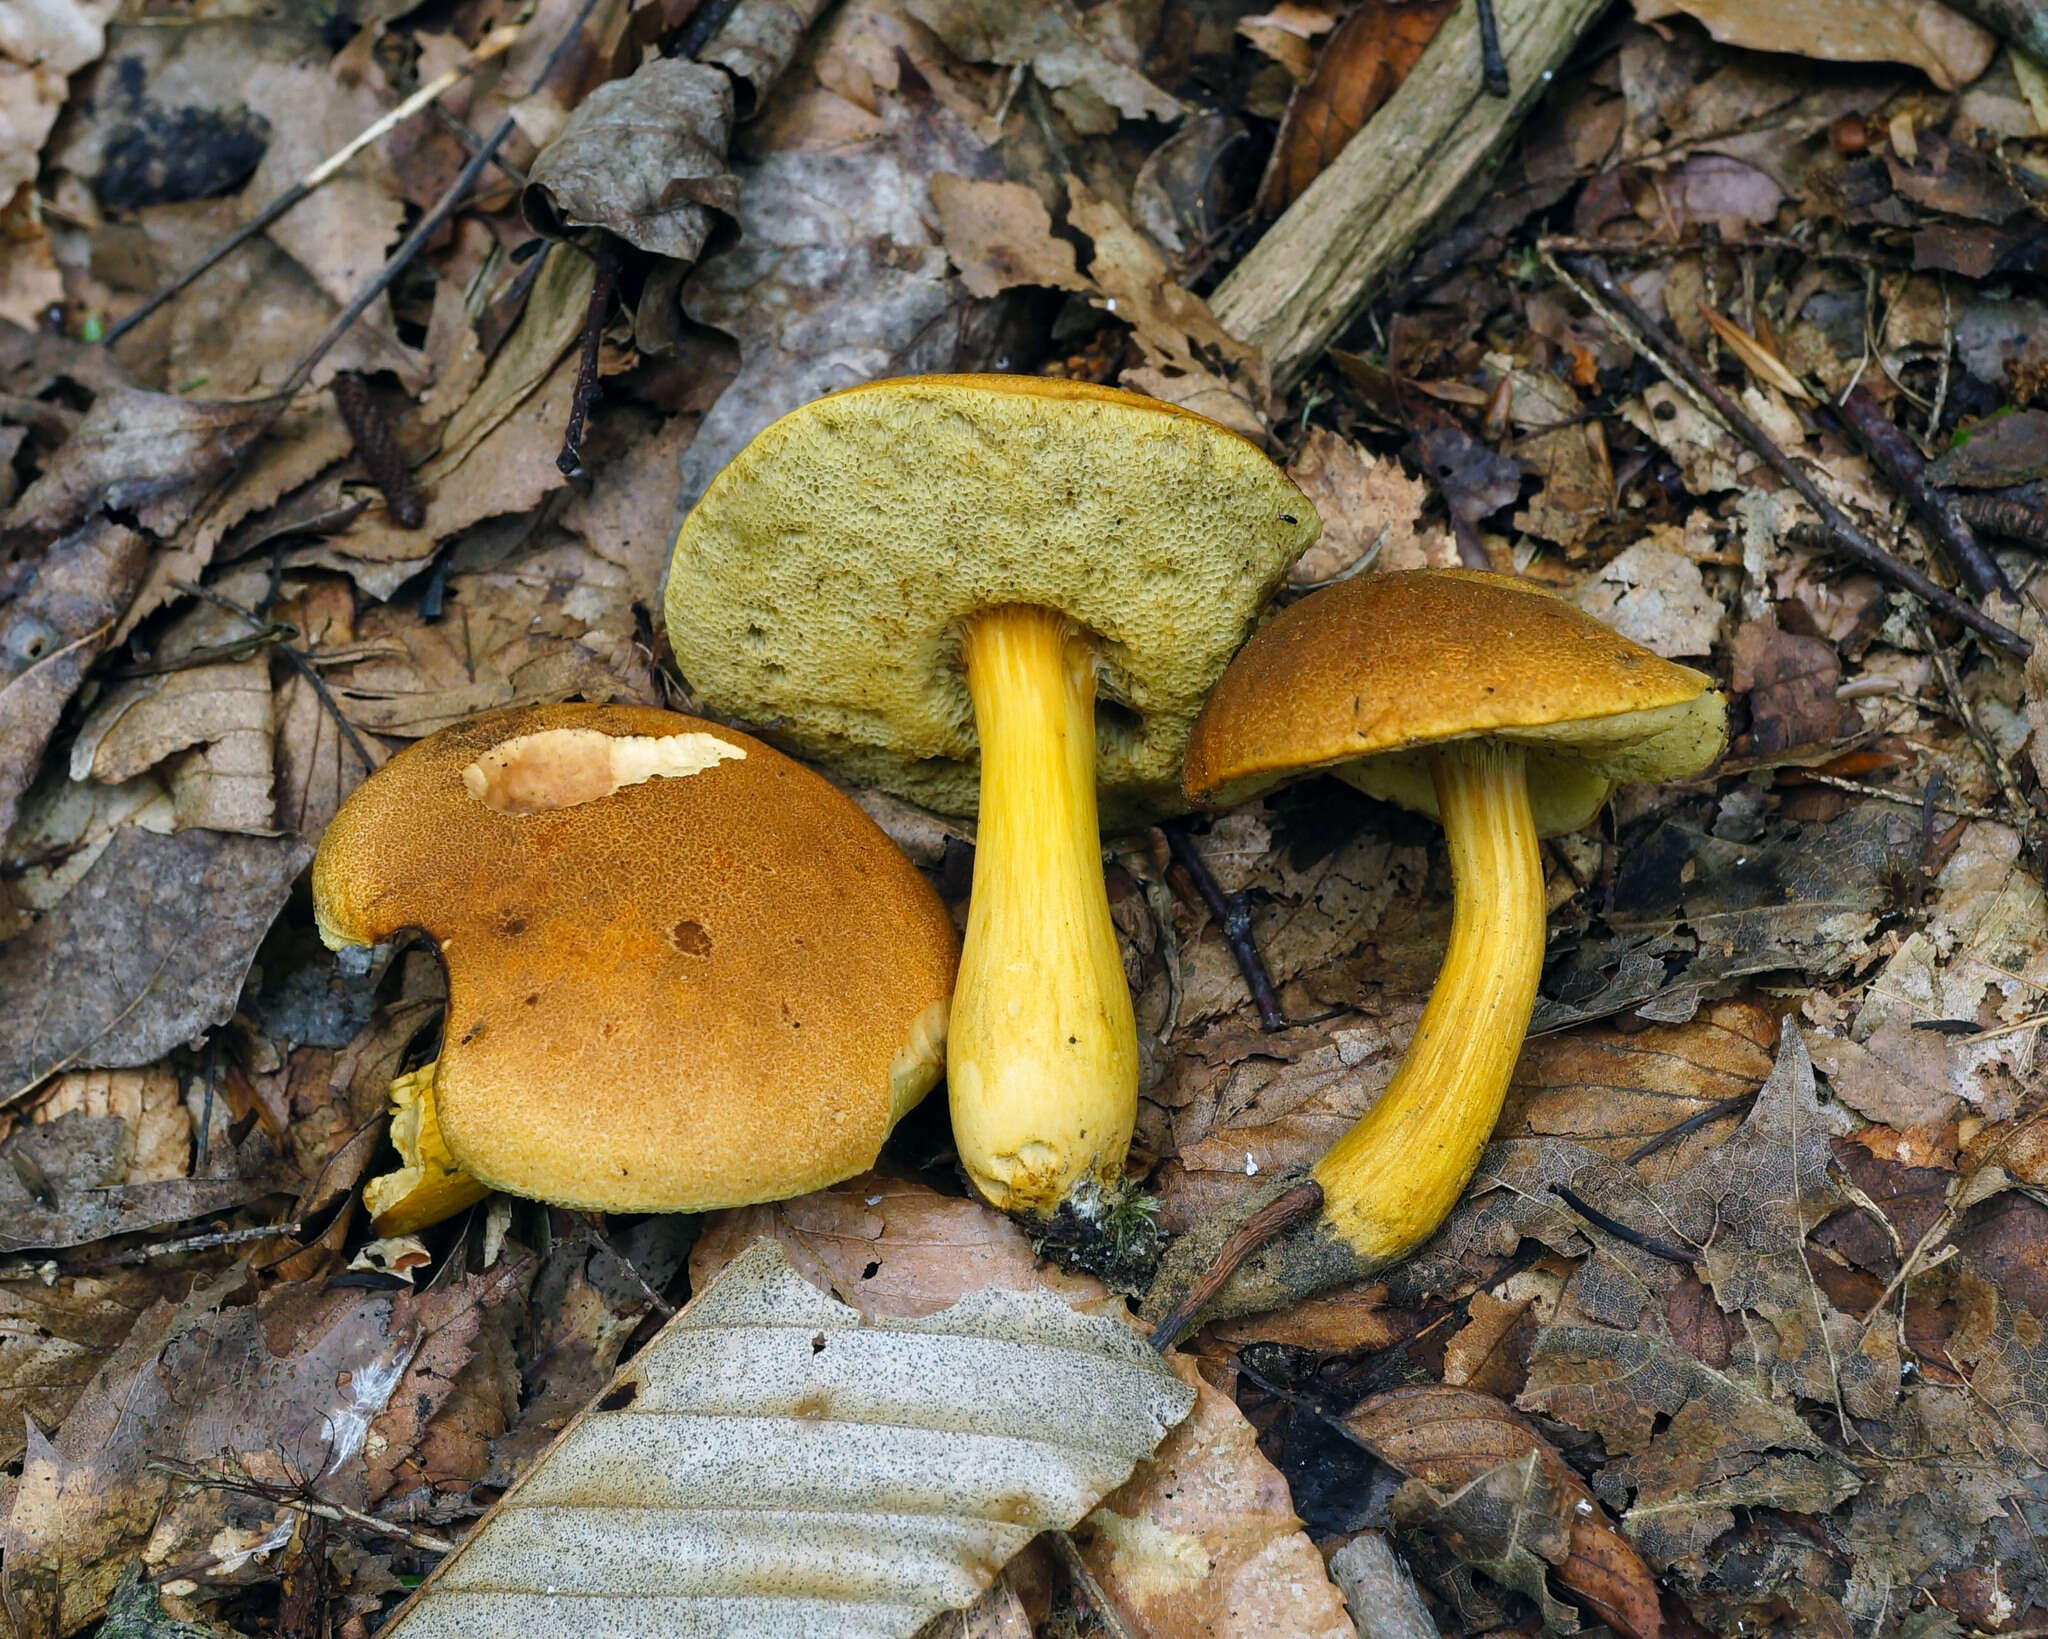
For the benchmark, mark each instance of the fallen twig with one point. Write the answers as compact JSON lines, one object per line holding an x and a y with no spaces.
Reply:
{"x":1290,"y":1207}
{"x":1087,"y":1587}
{"x":1493,"y":67}
{"x":194,"y":1475}
{"x":1233,"y":915}
{"x":1892,"y":450}
{"x":1594,"y":285}
{"x":570,"y":461}
{"x":1691,"y":1124}
{"x":1621,"y":1231}
{"x":492,"y":45}
{"x":2019,"y":514}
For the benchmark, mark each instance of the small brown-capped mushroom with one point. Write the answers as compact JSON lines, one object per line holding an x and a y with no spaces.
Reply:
{"x":684,"y":972}
{"x":1506,"y":714}
{"x":1003,"y":594}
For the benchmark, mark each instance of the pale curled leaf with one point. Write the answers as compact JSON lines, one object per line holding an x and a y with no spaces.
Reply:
{"x":643,"y":157}
{"x":1068,"y":49}
{"x":1948,"y":47}
{"x":773,"y":1464}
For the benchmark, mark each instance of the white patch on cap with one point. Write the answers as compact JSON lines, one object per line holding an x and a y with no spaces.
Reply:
{"x":565,"y":767}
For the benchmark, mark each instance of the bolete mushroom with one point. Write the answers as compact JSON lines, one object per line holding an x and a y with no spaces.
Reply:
{"x":999,"y":593}
{"x":684,"y":972}
{"x":1507,"y":715}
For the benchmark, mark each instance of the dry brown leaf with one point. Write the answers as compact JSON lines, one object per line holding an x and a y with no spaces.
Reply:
{"x":50,"y":634}
{"x":293,"y":1383}
{"x":838,"y":277}
{"x":643,"y":157}
{"x":776,"y":1463}
{"x":1692,"y":1443}
{"x":1285,"y":33}
{"x":1655,"y":595}
{"x":1075,"y":54}
{"x":1184,"y":347}
{"x":889,"y":1247}
{"x":1762,"y":362}
{"x":1613,"y":1090}
{"x":1949,"y":48}
{"x":42,"y":43}
{"x":148,"y":950}
{"x":148,"y":1102}
{"x":999,"y":235}
{"x":1203,"y":1542}
{"x":1451,"y":1438}
{"x":1790,"y":680}
{"x":1368,"y":506}
{"x":1361,"y":65}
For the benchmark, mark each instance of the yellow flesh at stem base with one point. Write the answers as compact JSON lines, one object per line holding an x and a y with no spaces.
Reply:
{"x":1395,"y":1176}
{"x":1042,"y":1052}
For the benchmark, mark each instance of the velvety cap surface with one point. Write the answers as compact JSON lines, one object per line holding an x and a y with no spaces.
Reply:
{"x":1360,"y":677}
{"x":706,"y":980}
{"x":821,"y":582}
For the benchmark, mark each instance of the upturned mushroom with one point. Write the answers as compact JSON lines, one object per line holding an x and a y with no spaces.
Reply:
{"x":684,"y":972}
{"x":1003,"y":594}
{"x":1507,"y":715}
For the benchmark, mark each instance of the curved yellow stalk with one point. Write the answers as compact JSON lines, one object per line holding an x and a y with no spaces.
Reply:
{"x":1042,"y":1050}
{"x":1394,"y":1177}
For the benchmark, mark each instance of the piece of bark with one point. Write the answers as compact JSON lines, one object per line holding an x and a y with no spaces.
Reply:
{"x":1325,"y":258}
{"x":1379,"y":1591}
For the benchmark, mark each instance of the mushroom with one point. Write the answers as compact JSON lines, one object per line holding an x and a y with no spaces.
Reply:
{"x":684,"y":972}
{"x":1507,"y":715}
{"x":1089,"y":559}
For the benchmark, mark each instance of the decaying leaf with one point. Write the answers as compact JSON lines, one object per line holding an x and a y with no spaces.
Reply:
{"x":1507,"y":1500}
{"x":1371,"y":512}
{"x":1656,"y":596}
{"x":1689,"y":1444}
{"x":1203,"y":1543}
{"x":1092,"y":75}
{"x":839,"y":276}
{"x":292,"y":1384}
{"x":775,"y":1464}
{"x":643,"y":157}
{"x":146,"y":952}
{"x":1947,"y":46}
{"x":1361,"y":65}
{"x":1000,"y":235}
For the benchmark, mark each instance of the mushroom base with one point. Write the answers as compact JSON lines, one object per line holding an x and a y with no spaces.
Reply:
{"x":1042,"y":1055}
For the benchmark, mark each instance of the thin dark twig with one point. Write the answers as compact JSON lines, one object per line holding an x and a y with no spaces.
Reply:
{"x":206,"y":1105}
{"x":460,"y":131}
{"x":211,"y":654}
{"x":1233,"y":915}
{"x":1282,"y":1213}
{"x":1621,"y":1231}
{"x":1892,"y":450}
{"x":192,"y":1474}
{"x":300,"y":663}
{"x":426,"y":97}
{"x":570,"y":461}
{"x":1691,"y":1124}
{"x":1842,"y":533}
{"x":414,"y":243}
{"x":1493,"y":67}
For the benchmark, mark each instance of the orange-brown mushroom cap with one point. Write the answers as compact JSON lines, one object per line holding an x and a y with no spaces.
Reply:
{"x":704,"y":979}
{"x":1361,"y":677}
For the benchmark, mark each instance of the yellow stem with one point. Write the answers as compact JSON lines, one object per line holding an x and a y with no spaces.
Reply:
{"x":1042,"y":1049}
{"x":1394,"y":1177}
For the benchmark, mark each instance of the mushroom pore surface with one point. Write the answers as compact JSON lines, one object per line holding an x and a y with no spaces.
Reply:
{"x":822,"y":582}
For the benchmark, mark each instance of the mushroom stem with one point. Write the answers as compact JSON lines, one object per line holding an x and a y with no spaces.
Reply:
{"x":1395,"y":1176}
{"x":1387,"y":1184}
{"x":1042,"y":1050}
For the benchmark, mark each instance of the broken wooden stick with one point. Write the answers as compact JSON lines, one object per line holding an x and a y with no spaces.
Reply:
{"x":1418,"y":159}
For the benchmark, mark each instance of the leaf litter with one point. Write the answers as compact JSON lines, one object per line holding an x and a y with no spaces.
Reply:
{"x":1738,"y":1328}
